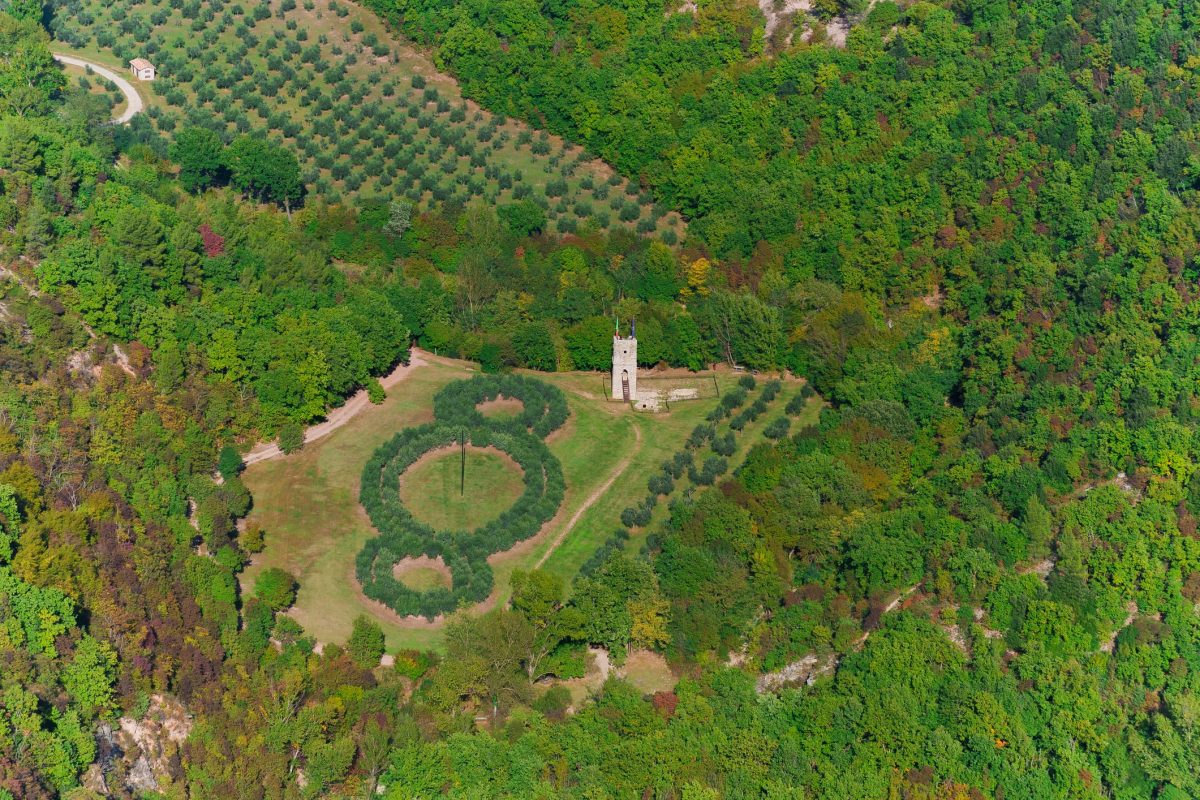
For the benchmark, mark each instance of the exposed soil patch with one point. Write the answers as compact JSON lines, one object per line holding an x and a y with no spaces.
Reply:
{"x":781,"y":13}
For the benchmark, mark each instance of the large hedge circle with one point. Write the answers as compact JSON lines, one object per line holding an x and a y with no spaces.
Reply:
{"x":457,"y":418}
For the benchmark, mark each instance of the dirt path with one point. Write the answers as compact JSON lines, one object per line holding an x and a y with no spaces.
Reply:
{"x":264,"y":451}
{"x":133,"y":100}
{"x":617,"y":472}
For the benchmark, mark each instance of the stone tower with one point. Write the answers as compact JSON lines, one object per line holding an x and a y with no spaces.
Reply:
{"x":624,"y":366}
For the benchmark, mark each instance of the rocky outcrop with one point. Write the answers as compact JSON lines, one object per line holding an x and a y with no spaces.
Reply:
{"x":141,"y":754}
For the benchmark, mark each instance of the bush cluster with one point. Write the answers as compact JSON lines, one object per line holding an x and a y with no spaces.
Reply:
{"x":797,"y":403}
{"x":713,"y":468}
{"x":777,"y":428}
{"x":611,"y":545}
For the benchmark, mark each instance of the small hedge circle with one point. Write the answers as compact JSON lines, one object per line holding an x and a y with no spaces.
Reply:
{"x":545,"y":408}
{"x":464,"y":552}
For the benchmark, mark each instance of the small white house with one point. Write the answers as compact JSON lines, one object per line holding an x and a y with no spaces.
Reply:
{"x":142,"y":69}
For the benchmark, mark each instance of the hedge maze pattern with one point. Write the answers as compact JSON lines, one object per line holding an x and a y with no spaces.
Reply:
{"x":465,"y":552}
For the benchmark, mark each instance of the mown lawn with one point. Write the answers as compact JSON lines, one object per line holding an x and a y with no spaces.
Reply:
{"x":308,"y":502}
{"x":440,"y":493}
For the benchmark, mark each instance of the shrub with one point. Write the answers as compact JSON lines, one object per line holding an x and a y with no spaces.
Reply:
{"x":747,"y":382}
{"x":733,"y":399}
{"x":778,"y":428}
{"x":291,"y":438}
{"x":679,"y":463}
{"x":253,"y":539}
{"x":724,"y":445}
{"x":661,"y":484}
{"x":276,"y":588}
{"x":413,"y":664}
{"x":229,"y":462}
{"x":365,"y":646}
{"x":700,"y":434}
{"x":639,"y":516}
{"x":713,"y":468}
{"x":554,"y":703}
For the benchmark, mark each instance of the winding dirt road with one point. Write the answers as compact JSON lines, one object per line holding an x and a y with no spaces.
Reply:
{"x":133,"y":100}
{"x":264,"y":451}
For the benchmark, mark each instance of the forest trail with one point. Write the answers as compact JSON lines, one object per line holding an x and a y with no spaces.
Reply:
{"x":617,"y":472}
{"x":133,"y":100}
{"x":264,"y":451}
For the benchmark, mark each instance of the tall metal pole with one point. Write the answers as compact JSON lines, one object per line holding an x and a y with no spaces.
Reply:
{"x":462,"y":469}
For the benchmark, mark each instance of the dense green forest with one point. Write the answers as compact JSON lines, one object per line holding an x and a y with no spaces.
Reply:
{"x":973,"y":229}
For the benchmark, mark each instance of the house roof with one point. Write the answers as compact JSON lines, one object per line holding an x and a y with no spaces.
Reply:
{"x":141,"y":63}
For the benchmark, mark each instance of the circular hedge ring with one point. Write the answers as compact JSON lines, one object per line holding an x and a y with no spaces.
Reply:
{"x":458,"y":421}
{"x":544,"y":406}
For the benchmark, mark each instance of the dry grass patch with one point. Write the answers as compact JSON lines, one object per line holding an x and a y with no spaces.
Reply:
{"x":648,"y":672}
{"x":422,"y":573}
{"x":501,"y":408}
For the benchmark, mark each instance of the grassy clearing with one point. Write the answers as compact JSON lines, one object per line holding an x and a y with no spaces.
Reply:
{"x":431,"y":489}
{"x":501,"y":408}
{"x":308,"y":502}
{"x":421,"y":579}
{"x":366,"y":113}
{"x":648,"y":672}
